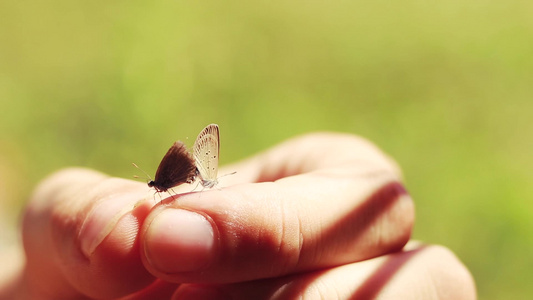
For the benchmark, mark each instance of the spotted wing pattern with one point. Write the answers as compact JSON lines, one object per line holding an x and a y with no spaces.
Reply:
{"x":206,"y":151}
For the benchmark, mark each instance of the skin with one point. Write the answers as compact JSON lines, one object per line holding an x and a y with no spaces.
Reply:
{"x":321,"y":216}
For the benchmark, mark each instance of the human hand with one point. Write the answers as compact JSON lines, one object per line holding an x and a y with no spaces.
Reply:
{"x":319,"y":216}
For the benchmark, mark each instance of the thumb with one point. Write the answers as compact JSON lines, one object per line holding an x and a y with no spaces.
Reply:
{"x":80,"y":234}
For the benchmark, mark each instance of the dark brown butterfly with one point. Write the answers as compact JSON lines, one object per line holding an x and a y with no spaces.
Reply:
{"x":176,"y":167}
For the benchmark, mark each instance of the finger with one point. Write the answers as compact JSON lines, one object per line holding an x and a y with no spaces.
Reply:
{"x":80,"y":235}
{"x":308,"y":153}
{"x":12,"y":262}
{"x":325,"y":217}
{"x":431,"y":272}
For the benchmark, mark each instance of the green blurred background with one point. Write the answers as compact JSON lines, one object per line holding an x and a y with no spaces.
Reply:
{"x":445,"y":88}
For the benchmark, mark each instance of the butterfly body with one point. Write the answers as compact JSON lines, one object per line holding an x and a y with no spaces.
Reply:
{"x":208,"y":183}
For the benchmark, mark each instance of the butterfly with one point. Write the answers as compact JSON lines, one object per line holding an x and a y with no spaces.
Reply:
{"x":179,"y":166}
{"x":205,"y":151}
{"x":176,"y":167}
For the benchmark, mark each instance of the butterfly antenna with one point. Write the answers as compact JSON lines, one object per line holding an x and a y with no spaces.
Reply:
{"x":135,"y":176}
{"x":232,"y":173}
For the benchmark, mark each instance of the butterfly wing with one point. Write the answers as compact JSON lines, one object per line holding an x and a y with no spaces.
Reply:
{"x":176,"y":167}
{"x":206,"y":151}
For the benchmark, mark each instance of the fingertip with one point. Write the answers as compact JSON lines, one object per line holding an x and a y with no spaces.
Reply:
{"x":103,"y":217}
{"x":59,"y":186}
{"x":450,"y":275}
{"x":81,"y":233}
{"x":115,"y":268}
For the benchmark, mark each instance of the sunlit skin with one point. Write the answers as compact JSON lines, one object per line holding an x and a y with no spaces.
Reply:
{"x":322,"y":215}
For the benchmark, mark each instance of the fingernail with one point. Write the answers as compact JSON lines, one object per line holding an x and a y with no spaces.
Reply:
{"x":179,"y":241}
{"x":101,"y":220}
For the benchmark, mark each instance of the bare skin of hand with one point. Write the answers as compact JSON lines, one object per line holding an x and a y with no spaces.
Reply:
{"x":321,"y":216}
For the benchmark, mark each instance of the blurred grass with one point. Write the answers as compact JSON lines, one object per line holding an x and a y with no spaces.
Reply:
{"x":445,"y":88}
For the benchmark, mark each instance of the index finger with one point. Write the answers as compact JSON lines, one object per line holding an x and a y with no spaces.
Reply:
{"x":311,"y":152}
